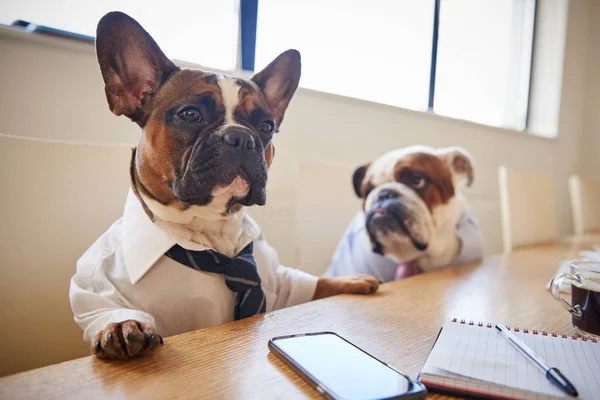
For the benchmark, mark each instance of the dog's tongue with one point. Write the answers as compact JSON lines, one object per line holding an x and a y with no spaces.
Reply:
{"x":407,"y":269}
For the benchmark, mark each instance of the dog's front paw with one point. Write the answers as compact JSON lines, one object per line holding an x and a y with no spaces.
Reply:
{"x":360,"y":284}
{"x":127,"y":339}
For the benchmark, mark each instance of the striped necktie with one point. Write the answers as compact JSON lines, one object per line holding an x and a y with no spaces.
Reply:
{"x":241,"y":275}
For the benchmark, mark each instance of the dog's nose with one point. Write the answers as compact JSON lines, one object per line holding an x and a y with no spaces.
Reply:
{"x":239,"y":139}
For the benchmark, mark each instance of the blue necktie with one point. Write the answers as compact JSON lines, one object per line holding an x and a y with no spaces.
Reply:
{"x":241,"y":275}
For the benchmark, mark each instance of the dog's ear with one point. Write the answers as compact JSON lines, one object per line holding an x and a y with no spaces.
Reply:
{"x":278,"y":82}
{"x":132,"y":65}
{"x":460,"y":162}
{"x":270,"y":154}
{"x":358,"y":178}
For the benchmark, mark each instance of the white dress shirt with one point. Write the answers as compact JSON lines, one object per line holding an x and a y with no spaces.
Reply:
{"x":125,"y":275}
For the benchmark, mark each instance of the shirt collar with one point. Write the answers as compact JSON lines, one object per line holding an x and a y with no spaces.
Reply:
{"x":144,"y":242}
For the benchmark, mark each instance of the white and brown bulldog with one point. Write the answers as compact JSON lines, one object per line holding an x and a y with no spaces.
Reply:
{"x":185,"y":255}
{"x":413,"y":218}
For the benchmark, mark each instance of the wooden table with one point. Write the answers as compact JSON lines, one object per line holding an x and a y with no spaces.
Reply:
{"x":398,"y":325}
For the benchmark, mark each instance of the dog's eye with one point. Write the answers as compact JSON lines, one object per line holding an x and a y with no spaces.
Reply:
{"x":190,"y":115}
{"x":267,"y":126}
{"x":417,"y":181}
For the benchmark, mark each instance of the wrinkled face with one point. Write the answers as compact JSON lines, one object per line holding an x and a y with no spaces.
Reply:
{"x":212,"y":133}
{"x":206,"y":138}
{"x":407,"y":195}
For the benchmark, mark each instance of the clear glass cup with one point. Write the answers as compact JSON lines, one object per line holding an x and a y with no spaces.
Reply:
{"x":585,"y":296}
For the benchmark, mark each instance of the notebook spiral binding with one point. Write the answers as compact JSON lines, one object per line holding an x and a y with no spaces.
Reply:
{"x":533,"y":331}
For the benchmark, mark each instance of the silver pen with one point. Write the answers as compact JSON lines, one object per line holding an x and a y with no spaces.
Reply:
{"x":552,"y":373}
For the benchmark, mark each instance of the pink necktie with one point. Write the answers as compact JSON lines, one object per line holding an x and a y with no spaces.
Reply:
{"x":407,"y":269}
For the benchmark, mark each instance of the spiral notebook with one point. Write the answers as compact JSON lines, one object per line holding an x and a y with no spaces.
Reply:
{"x":472,"y":359}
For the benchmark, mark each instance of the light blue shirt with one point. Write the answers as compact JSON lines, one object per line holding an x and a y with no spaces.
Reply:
{"x":354,"y":254}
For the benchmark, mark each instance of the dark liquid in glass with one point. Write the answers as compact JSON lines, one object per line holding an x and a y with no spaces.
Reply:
{"x":589,"y":301}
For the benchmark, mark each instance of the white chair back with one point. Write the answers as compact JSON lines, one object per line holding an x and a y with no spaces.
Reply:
{"x":57,"y":199}
{"x":585,"y":204}
{"x":527,"y":207}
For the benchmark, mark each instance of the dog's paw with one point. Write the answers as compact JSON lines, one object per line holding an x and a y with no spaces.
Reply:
{"x":360,"y":284}
{"x":127,"y":339}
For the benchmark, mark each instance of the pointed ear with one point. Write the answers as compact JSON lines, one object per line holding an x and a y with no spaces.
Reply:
{"x":278,"y":82}
{"x":358,"y":178}
{"x":132,"y":65}
{"x":270,"y":154}
{"x":460,"y":162}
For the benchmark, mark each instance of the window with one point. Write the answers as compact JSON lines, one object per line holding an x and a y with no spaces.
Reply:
{"x":484,"y":61}
{"x":192,"y":21}
{"x":467,"y":59}
{"x":378,"y":50}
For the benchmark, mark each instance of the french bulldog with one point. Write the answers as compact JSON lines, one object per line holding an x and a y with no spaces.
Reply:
{"x":204,"y":154}
{"x":413,"y":218}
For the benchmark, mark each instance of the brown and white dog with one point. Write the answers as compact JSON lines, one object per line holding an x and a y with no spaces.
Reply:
{"x":204,"y":153}
{"x":412,"y":213}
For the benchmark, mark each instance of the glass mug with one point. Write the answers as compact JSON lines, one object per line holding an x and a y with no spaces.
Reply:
{"x":585,"y":296}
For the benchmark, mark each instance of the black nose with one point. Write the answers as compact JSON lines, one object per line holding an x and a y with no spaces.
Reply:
{"x":239,"y":139}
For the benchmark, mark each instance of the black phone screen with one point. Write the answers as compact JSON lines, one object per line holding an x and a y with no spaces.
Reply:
{"x":342,"y":369}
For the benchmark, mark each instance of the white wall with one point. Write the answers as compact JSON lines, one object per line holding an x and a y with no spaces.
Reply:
{"x":53,"y":89}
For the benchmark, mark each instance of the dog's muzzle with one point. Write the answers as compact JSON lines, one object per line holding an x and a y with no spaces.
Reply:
{"x":248,"y":153}
{"x":390,"y":213}
{"x":218,"y":160}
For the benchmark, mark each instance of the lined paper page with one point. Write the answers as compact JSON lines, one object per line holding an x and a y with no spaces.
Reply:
{"x":480,"y":353}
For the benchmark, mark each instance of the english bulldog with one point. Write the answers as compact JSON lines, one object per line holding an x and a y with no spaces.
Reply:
{"x":413,"y":218}
{"x":185,"y":255}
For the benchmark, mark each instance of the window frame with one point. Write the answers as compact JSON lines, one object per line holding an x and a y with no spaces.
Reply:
{"x":248,"y":23}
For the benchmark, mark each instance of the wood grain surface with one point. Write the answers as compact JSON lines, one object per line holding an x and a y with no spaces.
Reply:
{"x":397,"y":325}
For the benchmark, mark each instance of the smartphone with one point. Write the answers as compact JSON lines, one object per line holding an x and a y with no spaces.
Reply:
{"x":340,"y":370}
